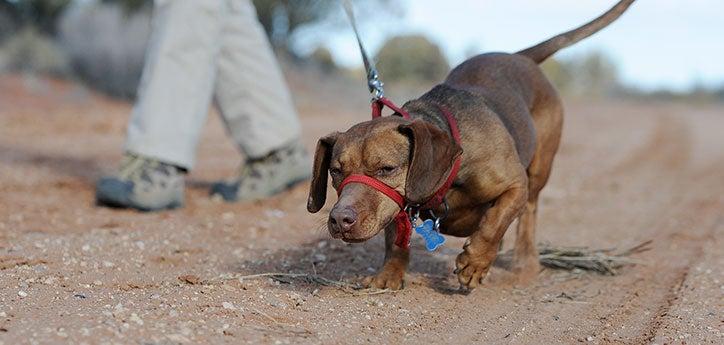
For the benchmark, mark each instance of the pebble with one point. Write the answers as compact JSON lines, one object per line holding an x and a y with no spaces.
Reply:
{"x":228,"y":305}
{"x":61,"y":333}
{"x":589,"y":338}
{"x":118,"y":308}
{"x":275,"y":213}
{"x":134,"y":317}
{"x":298,"y":300}
{"x":277,"y":303}
{"x":22,"y":294}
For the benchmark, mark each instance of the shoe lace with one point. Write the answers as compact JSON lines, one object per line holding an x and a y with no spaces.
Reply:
{"x":132,"y":166}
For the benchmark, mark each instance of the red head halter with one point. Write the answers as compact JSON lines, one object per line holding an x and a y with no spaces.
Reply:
{"x":402,"y":220}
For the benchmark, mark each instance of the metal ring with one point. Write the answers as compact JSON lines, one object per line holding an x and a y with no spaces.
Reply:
{"x":445,"y":212}
{"x":447,"y":209}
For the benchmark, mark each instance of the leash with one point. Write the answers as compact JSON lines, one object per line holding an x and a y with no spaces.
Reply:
{"x":374,"y":84}
{"x":409,"y":213}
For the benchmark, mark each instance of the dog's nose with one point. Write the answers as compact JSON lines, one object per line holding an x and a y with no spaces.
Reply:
{"x":343,"y":219}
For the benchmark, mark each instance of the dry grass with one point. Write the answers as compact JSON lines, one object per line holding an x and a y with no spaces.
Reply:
{"x":602,"y":261}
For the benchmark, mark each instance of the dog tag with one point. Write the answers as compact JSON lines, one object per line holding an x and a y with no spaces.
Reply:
{"x":432,"y":238}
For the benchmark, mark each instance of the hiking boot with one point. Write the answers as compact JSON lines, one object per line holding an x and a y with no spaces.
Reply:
{"x":144,"y":184}
{"x":263,"y":177}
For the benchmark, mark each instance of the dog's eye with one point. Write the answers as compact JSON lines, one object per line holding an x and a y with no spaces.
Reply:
{"x":386,"y":170}
{"x":335,"y":171}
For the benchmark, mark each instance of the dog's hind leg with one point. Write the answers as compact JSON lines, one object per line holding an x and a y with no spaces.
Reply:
{"x":548,"y":125}
{"x":396,"y":259}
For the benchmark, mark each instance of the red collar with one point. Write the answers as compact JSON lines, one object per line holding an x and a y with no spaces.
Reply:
{"x":402,"y":220}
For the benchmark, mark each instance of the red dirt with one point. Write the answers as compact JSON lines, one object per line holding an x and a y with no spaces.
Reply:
{"x":74,"y":273}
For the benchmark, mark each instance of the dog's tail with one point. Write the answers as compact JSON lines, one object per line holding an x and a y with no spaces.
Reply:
{"x":545,"y":49}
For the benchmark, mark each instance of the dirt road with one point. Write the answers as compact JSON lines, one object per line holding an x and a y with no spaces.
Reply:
{"x":74,"y":273}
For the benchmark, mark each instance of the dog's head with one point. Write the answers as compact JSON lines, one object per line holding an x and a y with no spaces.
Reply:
{"x":413,"y":157}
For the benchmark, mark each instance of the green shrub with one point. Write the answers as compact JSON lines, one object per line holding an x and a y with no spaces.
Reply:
{"x":322,"y":57}
{"x":29,"y":51}
{"x":592,"y":74}
{"x":559,"y":73}
{"x":411,"y":58}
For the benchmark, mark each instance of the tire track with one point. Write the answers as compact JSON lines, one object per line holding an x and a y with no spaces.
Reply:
{"x":664,"y":289}
{"x":667,"y":149}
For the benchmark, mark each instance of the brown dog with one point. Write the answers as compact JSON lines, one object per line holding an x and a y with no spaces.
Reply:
{"x":510,"y":119}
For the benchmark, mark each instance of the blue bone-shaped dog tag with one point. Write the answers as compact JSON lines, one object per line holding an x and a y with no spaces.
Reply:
{"x":432,"y":238}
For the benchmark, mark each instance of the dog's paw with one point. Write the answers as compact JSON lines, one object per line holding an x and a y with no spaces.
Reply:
{"x":471,"y":269}
{"x":392,"y":280}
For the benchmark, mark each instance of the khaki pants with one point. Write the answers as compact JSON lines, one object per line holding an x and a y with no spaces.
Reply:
{"x":201,"y":49}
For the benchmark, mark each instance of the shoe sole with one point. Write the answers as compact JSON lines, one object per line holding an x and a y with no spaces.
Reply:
{"x":115,"y":204}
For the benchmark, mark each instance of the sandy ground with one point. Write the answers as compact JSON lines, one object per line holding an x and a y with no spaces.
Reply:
{"x":74,"y":273}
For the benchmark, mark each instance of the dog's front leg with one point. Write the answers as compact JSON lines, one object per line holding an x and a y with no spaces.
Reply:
{"x":392,"y":274}
{"x":481,"y":248}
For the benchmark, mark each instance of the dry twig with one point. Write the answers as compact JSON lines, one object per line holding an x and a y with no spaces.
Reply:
{"x":603,"y":261}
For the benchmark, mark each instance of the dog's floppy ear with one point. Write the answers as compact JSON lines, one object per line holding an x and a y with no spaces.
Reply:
{"x":318,"y":189}
{"x":432,"y":154}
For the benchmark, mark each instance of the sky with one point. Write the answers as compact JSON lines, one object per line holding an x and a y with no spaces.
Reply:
{"x":673,"y":44}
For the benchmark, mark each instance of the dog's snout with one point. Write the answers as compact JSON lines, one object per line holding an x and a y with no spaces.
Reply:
{"x":343,"y":219}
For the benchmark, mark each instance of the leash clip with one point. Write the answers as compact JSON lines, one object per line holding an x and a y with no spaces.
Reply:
{"x":413,"y":212}
{"x":375,"y":85}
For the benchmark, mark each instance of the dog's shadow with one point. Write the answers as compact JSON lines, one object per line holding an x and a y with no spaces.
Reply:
{"x":351,"y":263}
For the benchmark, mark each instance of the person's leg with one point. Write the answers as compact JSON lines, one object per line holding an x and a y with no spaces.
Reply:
{"x":173,"y":101}
{"x":258,"y":110}
{"x":178,"y":81}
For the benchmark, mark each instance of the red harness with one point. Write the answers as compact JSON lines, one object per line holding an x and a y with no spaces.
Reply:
{"x":402,"y":220}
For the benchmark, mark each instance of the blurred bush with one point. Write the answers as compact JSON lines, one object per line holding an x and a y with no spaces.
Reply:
{"x":559,"y":73}
{"x":283,"y":18}
{"x":42,"y":15}
{"x":30,"y":51}
{"x":106,"y":44}
{"x":8,"y":21}
{"x":411,"y":58}
{"x":592,"y":75}
{"x":322,"y":57}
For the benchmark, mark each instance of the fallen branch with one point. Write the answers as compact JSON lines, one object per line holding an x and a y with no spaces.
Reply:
{"x":603,"y":261}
